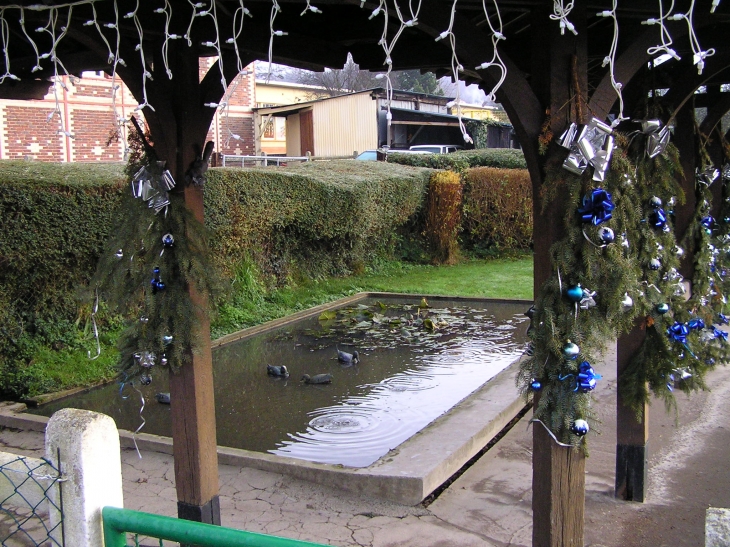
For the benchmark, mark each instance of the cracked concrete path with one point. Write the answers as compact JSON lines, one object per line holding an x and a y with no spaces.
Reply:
{"x":490,"y":504}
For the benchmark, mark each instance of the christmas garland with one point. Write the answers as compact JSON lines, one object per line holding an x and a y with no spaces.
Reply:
{"x":158,"y":254}
{"x":618,"y":266}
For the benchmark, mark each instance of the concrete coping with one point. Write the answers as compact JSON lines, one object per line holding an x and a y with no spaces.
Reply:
{"x":405,"y":475}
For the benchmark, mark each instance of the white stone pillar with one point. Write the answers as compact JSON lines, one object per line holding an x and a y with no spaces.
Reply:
{"x":88,"y":446}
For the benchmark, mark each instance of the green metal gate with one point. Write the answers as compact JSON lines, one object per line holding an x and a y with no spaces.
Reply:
{"x":119,"y":522}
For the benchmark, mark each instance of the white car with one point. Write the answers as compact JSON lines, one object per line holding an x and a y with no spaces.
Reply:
{"x":436,"y":148}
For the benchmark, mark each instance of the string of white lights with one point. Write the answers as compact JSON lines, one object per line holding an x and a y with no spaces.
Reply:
{"x":5,"y":31}
{"x":217,"y":46}
{"x":196,"y":6}
{"x":496,"y":60}
{"x":146,"y":75}
{"x":167,"y":12}
{"x":275,"y":9}
{"x":238,"y":17}
{"x":389,"y":45}
{"x":50,"y":28}
{"x":663,"y":32}
{"x":560,"y":13}
{"x":715,"y":3}
{"x":698,"y":54}
{"x":610,"y":60}
{"x":456,"y":68}
{"x":37,"y":67}
{"x":310,"y":7}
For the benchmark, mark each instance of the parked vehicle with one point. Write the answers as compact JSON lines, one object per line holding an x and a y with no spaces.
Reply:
{"x":367,"y":155}
{"x":436,"y":148}
{"x":372,"y":155}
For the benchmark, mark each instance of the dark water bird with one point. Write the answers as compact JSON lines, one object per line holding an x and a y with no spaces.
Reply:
{"x":349,"y":358}
{"x":163,"y":398}
{"x":317,"y":379}
{"x":279,"y":371}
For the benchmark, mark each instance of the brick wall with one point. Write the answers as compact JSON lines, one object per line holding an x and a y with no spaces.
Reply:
{"x":92,"y":130}
{"x":86,"y":108}
{"x":28,"y":133}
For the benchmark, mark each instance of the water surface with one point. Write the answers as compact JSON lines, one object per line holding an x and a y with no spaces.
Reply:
{"x":416,"y":363}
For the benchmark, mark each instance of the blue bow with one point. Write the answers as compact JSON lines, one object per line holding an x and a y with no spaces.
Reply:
{"x":723,"y":319}
{"x":586,"y":378}
{"x":678,"y":332}
{"x":697,"y":324}
{"x":597,"y":207}
{"x":720,"y":334}
{"x":707,"y":221}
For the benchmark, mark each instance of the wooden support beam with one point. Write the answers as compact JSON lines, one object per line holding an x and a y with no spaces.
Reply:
{"x":632,"y":432}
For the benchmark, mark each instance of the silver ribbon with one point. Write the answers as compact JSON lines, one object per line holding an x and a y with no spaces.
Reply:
{"x":657,"y":137}
{"x":152,"y":187}
{"x":590,"y":145}
{"x":708,"y":175}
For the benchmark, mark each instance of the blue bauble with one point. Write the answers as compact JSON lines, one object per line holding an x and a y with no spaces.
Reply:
{"x":536,"y":385}
{"x":168,"y":240}
{"x":574,"y":293}
{"x":580,"y":427}
{"x":156,"y":270}
{"x":570,"y":350}
{"x":160,"y":286}
{"x":662,"y":308}
{"x":606,"y":235}
{"x":655,"y":264}
{"x":655,"y":202}
{"x":145,"y":379}
{"x":167,"y":339}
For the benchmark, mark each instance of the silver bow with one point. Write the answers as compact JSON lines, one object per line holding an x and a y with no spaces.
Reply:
{"x":588,"y":300}
{"x":591,"y":145}
{"x":708,"y":175}
{"x":153,"y":187}
{"x":726,"y":171}
{"x":657,"y":137}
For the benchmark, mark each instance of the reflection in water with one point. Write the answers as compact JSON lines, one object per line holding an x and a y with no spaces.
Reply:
{"x":415,"y":365}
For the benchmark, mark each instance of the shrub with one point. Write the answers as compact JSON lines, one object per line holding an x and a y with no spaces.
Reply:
{"x":497,"y":208}
{"x":505,"y":158}
{"x":443,"y":216}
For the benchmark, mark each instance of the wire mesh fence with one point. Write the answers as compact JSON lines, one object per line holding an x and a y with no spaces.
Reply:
{"x":31,"y":504}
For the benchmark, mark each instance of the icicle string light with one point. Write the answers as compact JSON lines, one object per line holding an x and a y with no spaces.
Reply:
{"x":496,"y":60}
{"x":275,"y":9}
{"x":560,"y":13}
{"x":663,"y":33}
{"x":698,"y":54}
{"x":610,"y":60}
{"x":238,"y":17}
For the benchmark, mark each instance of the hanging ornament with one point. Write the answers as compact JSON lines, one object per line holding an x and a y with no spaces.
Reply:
{"x":570,"y":350}
{"x":596,"y":207}
{"x":574,"y":293}
{"x":586,"y":378}
{"x":145,"y":379}
{"x":156,"y":282}
{"x":678,"y":332}
{"x":624,"y":241}
{"x":658,"y":220}
{"x":167,"y":339}
{"x":662,"y":308}
{"x":163,"y":360}
{"x":119,"y":253}
{"x":606,"y":235}
{"x":144,"y":319}
{"x":657,"y":137}
{"x":672,"y":275}
{"x":579,"y":428}
{"x":678,"y":251}
{"x":707,"y":176}
{"x":627,"y":303}
{"x":655,"y":203}
{"x":535,"y":385}
{"x":696,"y":324}
{"x":168,"y":240}
{"x":707,"y":223}
{"x":587,"y":300}
{"x":655,"y":264}
{"x":145,"y":359}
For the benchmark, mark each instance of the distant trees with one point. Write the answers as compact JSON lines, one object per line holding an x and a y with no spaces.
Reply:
{"x":351,"y":78}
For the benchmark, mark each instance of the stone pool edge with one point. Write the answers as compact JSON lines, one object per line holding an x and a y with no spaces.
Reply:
{"x":406,"y":474}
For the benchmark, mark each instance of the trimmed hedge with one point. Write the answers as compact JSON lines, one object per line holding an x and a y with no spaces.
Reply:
{"x":505,"y":158}
{"x":316,"y":218}
{"x":497,"y":209}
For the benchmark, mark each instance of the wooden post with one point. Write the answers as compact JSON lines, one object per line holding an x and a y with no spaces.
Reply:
{"x":632,"y":433}
{"x":559,"y":75}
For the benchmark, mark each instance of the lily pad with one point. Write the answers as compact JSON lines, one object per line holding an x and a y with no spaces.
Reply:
{"x":327,"y":315}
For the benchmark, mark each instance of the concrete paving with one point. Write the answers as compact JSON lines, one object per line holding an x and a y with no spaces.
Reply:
{"x":488,"y":505}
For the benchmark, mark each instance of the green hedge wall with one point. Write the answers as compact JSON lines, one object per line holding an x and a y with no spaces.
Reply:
{"x":316,"y":218}
{"x":505,"y":158}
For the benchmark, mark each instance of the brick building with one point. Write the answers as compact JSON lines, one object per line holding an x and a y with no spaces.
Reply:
{"x":75,"y":121}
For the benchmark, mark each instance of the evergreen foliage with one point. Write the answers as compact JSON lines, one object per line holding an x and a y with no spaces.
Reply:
{"x":646,"y":269}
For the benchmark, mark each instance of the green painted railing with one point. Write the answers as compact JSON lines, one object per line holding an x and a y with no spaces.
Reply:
{"x":118,"y":522}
